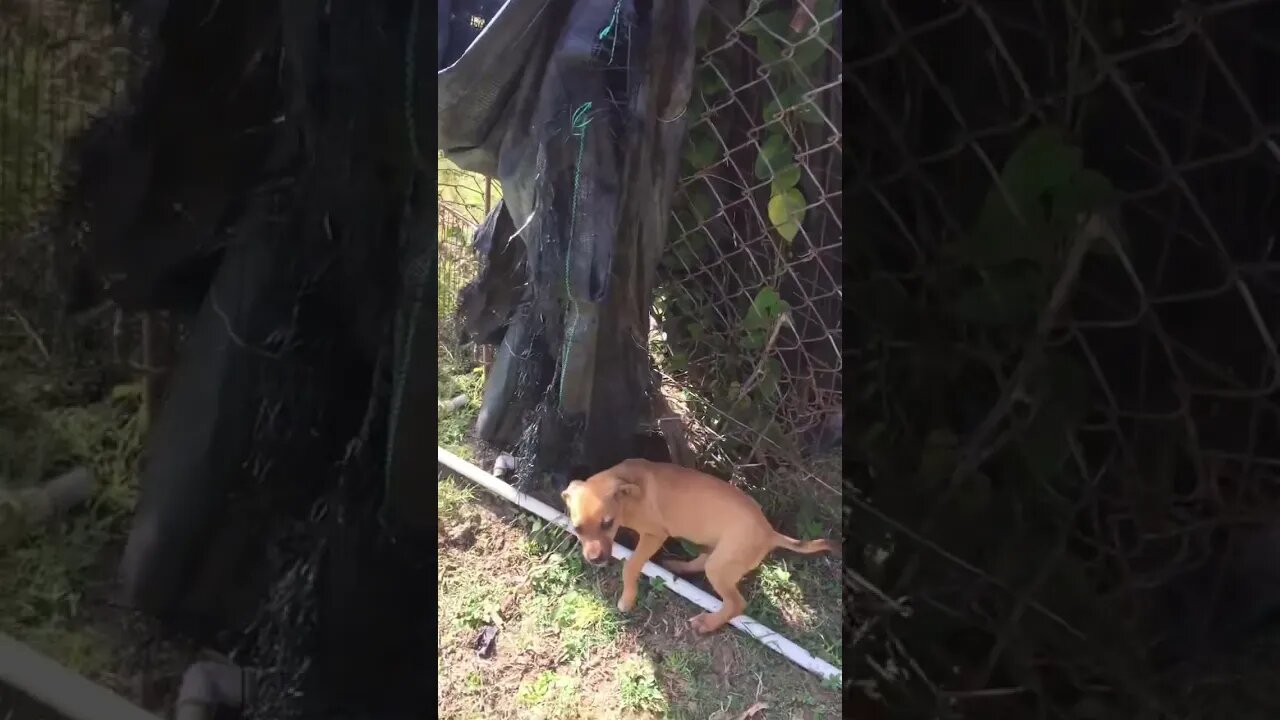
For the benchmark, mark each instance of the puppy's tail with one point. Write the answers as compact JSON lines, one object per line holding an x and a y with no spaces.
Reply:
{"x":807,"y":547}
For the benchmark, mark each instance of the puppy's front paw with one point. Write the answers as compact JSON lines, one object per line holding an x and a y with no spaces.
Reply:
{"x":701,"y":623}
{"x":626,"y":602}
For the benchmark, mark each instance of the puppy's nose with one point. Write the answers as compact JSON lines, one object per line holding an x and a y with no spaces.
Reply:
{"x":599,"y":559}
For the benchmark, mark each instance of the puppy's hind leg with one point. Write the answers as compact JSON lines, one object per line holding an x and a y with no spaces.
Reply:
{"x":724,"y":571}
{"x":687,"y":567}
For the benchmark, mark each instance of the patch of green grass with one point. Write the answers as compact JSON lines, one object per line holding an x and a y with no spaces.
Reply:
{"x":480,"y":605}
{"x":454,"y":426}
{"x":556,"y":573}
{"x":545,"y":539}
{"x":45,"y":575}
{"x":777,"y":585}
{"x":550,"y":696}
{"x":452,"y":499}
{"x":652,"y":593}
{"x":580,"y":616}
{"x":638,"y":687}
{"x":584,"y":622}
{"x":796,"y":599}
{"x":685,"y":663}
{"x":473,"y":683}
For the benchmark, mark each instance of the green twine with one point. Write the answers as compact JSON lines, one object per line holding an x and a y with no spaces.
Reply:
{"x":578,"y":128}
{"x":612,"y":27}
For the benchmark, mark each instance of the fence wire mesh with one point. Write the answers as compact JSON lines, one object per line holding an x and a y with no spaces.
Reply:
{"x":61,"y":63}
{"x":1065,"y":279}
{"x":463,"y":200}
{"x":747,"y":308}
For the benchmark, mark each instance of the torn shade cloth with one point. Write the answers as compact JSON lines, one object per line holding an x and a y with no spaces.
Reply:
{"x":577,"y":109}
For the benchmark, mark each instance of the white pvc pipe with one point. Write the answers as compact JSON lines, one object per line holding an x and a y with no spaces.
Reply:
{"x":706,"y":601}
{"x":55,"y":691}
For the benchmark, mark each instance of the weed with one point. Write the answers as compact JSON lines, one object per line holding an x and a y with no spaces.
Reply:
{"x":685,"y":663}
{"x":584,"y":622}
{"x":452,"y":498}
{"x":551,"y":696}
{"x":777,"y":585}
{"x":638,"y":688}
{"x":454,"y":428}
{"x":810,"y":528}
{"x":557,"y":573}
{"x":44,"y":578}
{"x":651,"y":593}
{"x":480,"y":607}
{"x":544,"y":538}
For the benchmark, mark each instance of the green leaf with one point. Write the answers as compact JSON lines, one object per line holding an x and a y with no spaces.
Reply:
{"x":785,"y":98}
{"x":766,"y":308}
{"x":786,"y":178}
{"x":1008,"y":296}
{"x":792,"y":101}
{"x":700,"y":152}
{"x":710,"y":82}
{"x":814,"y":43}
{"x":1043,"y":193}
{"x":786,"y":212}
{"x":775,"y":24}
{"x":775,"y":154}
{"x":806,"y":107}
{"x":768,"y":50}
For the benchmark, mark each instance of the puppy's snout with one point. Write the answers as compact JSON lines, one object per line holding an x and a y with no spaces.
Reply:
{"x":598,"y":557}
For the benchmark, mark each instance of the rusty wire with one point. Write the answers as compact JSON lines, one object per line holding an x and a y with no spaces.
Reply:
{"x":1162,"y":301}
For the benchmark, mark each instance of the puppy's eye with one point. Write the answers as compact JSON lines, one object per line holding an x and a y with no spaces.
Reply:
{"x":606,"y":523}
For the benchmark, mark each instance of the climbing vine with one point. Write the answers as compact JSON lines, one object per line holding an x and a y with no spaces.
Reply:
{"x":742,"y":215}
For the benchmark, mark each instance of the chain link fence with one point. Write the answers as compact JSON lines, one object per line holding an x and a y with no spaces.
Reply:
{"x":1065,"y":264}
{"x":61,"y":62}
{"x":747,"y":308}
{"x":464,"y":199}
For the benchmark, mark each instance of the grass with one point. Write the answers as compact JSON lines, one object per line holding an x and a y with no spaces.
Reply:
{"x":54,"y":580}
{"x":562,"y":649}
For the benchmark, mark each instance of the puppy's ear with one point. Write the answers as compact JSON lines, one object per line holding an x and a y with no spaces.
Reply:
{"x":625,"y":488}
{"x":570,"y":491}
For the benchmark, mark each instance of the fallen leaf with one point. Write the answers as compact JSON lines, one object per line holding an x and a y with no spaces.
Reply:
{"x":753,"y":711}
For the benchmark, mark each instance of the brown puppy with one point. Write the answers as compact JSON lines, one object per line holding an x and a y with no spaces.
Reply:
{"x":658,"y":501}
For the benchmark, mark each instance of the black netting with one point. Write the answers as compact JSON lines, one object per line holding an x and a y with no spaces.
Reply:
{"x":583,"y":134}
{"x":259,"y":183}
